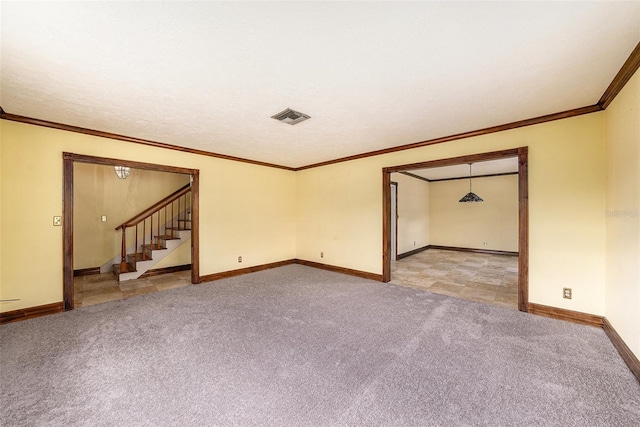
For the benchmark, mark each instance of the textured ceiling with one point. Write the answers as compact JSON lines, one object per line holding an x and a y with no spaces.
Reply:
{"x":209,"y":75}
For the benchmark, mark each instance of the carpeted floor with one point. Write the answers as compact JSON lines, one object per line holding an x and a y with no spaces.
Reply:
{"x":296,"y":346}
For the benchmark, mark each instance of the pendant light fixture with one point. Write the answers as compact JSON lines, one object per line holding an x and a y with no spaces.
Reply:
{"x":122,"y":171}
{"x":470,"y":196}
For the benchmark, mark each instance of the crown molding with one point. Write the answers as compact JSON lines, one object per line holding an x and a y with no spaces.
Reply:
{"x":630,"y":66}
{"x":77,"y":129}
{"x":627,"y":71}
{"x":485,"y":131}
{"x":413,"y":175}
{"x":489,"y":175}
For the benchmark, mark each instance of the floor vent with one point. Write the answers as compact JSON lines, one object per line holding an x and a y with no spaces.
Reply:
{"x":290,"y":116}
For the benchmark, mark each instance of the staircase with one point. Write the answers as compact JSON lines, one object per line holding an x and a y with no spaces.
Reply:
{"x":157,"y":231}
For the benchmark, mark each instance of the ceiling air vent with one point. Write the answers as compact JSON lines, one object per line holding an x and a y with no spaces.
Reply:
{"x":291,"y":117}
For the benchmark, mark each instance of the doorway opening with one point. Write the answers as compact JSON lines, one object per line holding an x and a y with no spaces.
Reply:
{"x":69,"y":159}
{"x":519,"y":155}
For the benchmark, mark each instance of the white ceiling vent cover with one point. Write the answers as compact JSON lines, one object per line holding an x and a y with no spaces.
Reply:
{"x":290,"y":116}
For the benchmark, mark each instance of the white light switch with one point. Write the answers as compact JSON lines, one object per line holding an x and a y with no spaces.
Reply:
{"x":103,"y":218}
{"x":57,"y":221}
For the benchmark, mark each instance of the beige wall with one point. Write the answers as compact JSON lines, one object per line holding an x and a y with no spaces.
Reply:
{"x":413,"y":212}
{"x":340,"y":207}
{"x":98,"y":191}
{"x":622,"y":129}
{"x":469,"y":225}
{"x":180,"y":256}
{"x":429,"y":213}
{"x":245,"y":209}
{"x":583,"y":209}
{"x":339,"y":212}
{"x":268,"y":215}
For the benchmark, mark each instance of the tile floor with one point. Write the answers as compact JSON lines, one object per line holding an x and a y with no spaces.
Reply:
{"x":99,"y":288}
{"x":477,"y":277}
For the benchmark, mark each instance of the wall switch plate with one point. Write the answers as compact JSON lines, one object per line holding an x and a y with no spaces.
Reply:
{"x":57,"y":221}
{"x":566,"y":293}
{"x":103,"y":218}
{"x":239,"y":259}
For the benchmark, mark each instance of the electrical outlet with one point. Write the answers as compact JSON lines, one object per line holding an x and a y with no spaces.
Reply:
{"x":414,"y":243}
{"x":239,"y":259}
{"x":321,"y":254}
{"x":103,"y":218}
{"x":566,"y":293}
{"x":57,"y":221}
{"x":484,"y":243}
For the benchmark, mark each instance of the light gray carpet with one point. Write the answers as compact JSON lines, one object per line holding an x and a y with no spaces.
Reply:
{"x":296,"y":346}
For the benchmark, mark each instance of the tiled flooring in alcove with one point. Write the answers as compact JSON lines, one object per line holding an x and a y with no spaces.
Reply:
{"x":477,"y":277}
{"x":99,"y":288}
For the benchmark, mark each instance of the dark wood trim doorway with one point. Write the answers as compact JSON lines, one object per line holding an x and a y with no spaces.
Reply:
{"x":68,"y":160}
{"x":395,"y":184}
{"x":523,"y":210}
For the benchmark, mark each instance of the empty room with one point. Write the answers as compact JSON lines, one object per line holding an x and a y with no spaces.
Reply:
{"x":320,"y":213}
{"x":448,"y":239}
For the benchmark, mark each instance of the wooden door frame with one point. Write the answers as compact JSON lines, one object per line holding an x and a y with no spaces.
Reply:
{"x":523,"y":210}
{"x":68,"y":160}
{"x":396,"y":214}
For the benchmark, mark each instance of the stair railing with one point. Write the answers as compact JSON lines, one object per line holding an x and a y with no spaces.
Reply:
{"x":172,"y":219}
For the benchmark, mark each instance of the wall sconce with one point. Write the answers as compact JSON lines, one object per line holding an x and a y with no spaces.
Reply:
{"x":122,"y":171}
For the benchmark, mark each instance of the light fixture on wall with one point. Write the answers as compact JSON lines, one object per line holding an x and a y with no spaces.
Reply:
{"x":122,"y":171}
{"x":470,"y":196}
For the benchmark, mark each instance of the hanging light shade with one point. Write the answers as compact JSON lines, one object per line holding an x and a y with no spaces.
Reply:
{"x":470,"y":196}
{"x":122,"y":171}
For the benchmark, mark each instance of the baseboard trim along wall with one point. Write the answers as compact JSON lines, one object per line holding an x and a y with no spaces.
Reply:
{"x":625,"y":352}
{"x":166,"y":270}
{"x":455,"y":248}
{"x":86,"y":271}
{"x":591,"y":320}
{"x":413,"y":252}
{"x":31,"y":312}
{"x":478,"y":251}
{"x":568,"y":315}
{"x":247,"y":270}
{"x":343,"y":270}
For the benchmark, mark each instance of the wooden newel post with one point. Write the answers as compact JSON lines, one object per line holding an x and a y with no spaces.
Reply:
{"x":123,"y":260}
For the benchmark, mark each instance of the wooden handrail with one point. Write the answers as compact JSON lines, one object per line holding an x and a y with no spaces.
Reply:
{"x":145,"y":213}
{"x":163,"y":206}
